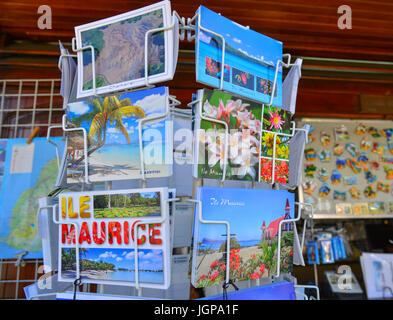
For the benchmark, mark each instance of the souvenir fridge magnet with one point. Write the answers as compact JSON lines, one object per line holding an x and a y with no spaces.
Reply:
{"x":343,"y":208}
{"x":323,"y":175}
{"x":352,"y":149}
{"x":384,"y":187}
{"x":374,"y":132}
{"x":340,"y":163}
{"x":338,"y":149}
{"x":339,"y":195}
{"x":376,"y":207}
{"x":349,"y":181}
{"x":311,"y":135}
{"x":309,"y":187}
{"x":360,"y":208}
{"x":341,"y":133}
{"x":369,"y":191}
{"x":390,"y":145}
{"x":327,"y":251}
{"x":374,"y":165}
{"x":309,"y":169}
{"x":310,"y":154}
{"x":388,"y":160}
{"x":324,"y":156}
{"x":370,"y":177}
{"x":362,"y":159}
{"x":324,"y":190}
{"x":325,"y":138}
{"x":335,"y":177}
{"x":336,"y":248}
{"x":353,"y":165}
{"x":379,"y":148}
{"x":361,"y":129}
{"x":389,"y":207}
{"x":387,"y":132}
{"x":355,"y":193}
{"x":389,"y":172}
{"x":365,"y":144}
{"x":312,"y":252}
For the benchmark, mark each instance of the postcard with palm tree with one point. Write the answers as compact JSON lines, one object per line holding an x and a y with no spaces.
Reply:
{"x":254,"y":217}
{"x":111,"y":123}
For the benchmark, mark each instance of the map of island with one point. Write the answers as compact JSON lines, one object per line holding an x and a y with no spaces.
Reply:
{"x":120,"y":50}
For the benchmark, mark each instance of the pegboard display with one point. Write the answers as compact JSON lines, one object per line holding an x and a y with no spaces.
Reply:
{"x":344,"y":174}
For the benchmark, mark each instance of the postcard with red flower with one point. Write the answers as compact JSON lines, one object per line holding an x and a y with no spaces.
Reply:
{"x":275,"y":120}
{"x":254,"y":235}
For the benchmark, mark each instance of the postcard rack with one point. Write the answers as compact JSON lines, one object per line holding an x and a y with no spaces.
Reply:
{"x":186,"y":30}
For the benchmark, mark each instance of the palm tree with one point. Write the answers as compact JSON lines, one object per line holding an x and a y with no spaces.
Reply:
{"x":108,"y":110}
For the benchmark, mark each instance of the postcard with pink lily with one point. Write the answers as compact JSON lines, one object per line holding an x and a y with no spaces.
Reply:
{"x":242,"y":117}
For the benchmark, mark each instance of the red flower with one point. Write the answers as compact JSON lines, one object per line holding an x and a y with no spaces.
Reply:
{"x":254,"y":275}
{"x":202,"y":277}
{"x":213,"y":264}
{"x":213,"y":276}
{"x":253,"y":256}
{"x":291,"y":254}
{"x":262,"y":269}
{"x":223,"y":266}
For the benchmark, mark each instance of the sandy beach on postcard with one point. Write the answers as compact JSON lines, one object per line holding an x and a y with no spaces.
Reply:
{"x":89,"y":274}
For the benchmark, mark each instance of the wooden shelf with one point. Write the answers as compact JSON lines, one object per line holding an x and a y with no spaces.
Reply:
{"x":334,"y":216}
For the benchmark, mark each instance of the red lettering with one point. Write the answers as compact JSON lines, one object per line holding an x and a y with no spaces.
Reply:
{"x":96,"y":239}
{"x":84,"y":234}
{"x":114,"y":233}
{"x":154,"y":232}
{"x":126,"y":233}
{"x":141,"y":240}
{"x":67,"y":235}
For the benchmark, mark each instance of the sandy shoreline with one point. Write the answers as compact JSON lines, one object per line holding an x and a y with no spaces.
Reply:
{"x":90,"y":274}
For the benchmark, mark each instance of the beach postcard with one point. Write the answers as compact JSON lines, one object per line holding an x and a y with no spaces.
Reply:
{"x":249,"y":63}
{"x":109,"y":225}
{"x":111,"y":124}
{"x":254,"y":231}
{"x":114,"y":265}
{"x":119,"y":50}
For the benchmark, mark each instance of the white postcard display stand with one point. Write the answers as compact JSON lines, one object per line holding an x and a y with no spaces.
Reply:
{"x":184,"y":206}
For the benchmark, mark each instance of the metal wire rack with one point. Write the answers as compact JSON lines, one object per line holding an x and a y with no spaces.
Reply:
{"x":24,"y":105}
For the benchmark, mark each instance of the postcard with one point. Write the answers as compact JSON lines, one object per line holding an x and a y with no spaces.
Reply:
{"x":249,"y":63}
{"x":243,"y":119}
{"x":343,"y":208}
{"x":360,"y":208}
{"x":119,"y":46}
{"x":251,"y":128}
{"x":253,"y":240}
{"x":377,"y":269}
{"x":111,"y":124}
{"x":106,"y":235}
{"x":376,"y":207}
{"x":22,"y":184}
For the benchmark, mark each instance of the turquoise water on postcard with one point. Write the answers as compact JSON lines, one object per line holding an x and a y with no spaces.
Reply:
{"x":215,"y":245}
{"x":144,"y":276}
{"x":206,"y":50}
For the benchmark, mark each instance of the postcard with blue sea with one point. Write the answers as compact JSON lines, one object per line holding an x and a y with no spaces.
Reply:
{"x":111,"y":124}
{"x":254,"y":217}
{"x":110,"y":225}
{"x":249,"y":63}
{"x":119,"y":46}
